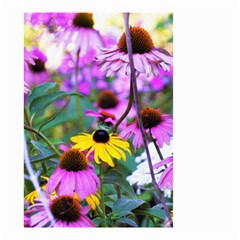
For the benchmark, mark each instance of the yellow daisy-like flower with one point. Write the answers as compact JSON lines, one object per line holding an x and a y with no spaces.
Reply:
{"x":104,"y":145}
{"x":34,"y":194}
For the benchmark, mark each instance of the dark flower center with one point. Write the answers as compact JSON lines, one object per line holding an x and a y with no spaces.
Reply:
{"x":73,"y":160}
{"x":101,"y":136}
{"x":83,"y":20}
{"x":38,"y":67}
{"x":141,"y":41}
{"x":65,"y":208}
{"x":107,"y":99}
{"x":150,"y":117}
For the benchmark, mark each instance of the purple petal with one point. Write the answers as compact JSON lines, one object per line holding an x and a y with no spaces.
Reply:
{"x":86,"y":221}
{"x":80,"y":187}
{"x":163,"y":162}
{"x":67,"y":184}
{"x":54,"y":180}
{"x":95,"y":177}
{"x":85,"y":210}
{"x":91,"y":182}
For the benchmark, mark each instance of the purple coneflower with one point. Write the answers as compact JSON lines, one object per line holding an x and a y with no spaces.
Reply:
{"x":160,"y":126}
{"x":66,"y":210}
{"x":74,"y":175}
{"x":147,"y":58}
{"x":108,"y":101}
{"x":36,"y":72}
{"x":102,"y":116}
{"x":81,"y":29}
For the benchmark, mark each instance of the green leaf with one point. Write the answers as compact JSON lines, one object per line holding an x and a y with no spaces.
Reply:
{"x":42,"y":149}
{"x":114,"y":177}
{"x":150,"y":212}
{"x":124,"y":205}
{"x":40,"y":90}
{"x":125,"y":213}
{"x":43,"y":101}
{"x":97,"y":221}
{"x":128,"y":221}
{"x":42,"y":158}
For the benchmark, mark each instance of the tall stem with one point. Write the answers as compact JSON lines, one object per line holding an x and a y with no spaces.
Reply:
{"x":78,"y":105}
{"x":44,"y":138}
{"x":157,"y":148}
{"x":136,"y":100}
{"x":33,"y":137}
{"x":129,"y":106}
{"x":28,"y":122}
{"x":34,"y":180}
{"x":102,"y":197}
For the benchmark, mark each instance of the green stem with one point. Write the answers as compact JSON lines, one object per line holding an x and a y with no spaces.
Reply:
{"x":129,"y":106}
{"x":32,"y":136}
{"x":102,"y":197}
{"x":157,"y":148}
{"x":27,"y":121}
{"x":99,"y":211}
{"x":44,"y":138}
{"x":54,"y":115}
{"x":78,"y":105}
{"x":117,"y":188}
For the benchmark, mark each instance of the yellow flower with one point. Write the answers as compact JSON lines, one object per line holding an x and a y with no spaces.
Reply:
{"x":34,"y":194}
{"x":103,"y":144}
{"x":93,"y":201}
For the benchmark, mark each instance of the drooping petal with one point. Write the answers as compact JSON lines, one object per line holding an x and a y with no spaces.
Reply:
{"x":54,"y":180}
{"x":67,"y":184}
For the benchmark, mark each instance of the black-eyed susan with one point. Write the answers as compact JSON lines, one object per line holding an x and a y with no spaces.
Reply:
{"x":104,"y":145}
{"x":34,"y":194}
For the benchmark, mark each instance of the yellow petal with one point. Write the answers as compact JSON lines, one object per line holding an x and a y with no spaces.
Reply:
{"x":31,"y":196}
{"x":46,"y":178}
{"x":91,"y":149}
{"x":112,"y":151}
{"x":83,"y":145}
{"x":91,"y":203}
{"x":96,"y":154}
{"x":80,"y":138}
{"x":123,"y":155}
{"x":95,"y":199}
{"x":104,"y":155}
{"x":120,"y":143}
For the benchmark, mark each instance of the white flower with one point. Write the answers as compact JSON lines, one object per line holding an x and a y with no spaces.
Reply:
{"x":141,"y":176}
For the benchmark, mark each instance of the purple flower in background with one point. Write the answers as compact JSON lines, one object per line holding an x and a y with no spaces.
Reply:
{"x":66,"y":211}
{"x":36,"y":72}
{"x":50,"y":20}
{"x":147,"y":58}
{"x":160,"y":126}
{"x":28,"y":58}
{"x":80,"y":31}
{"x":108,"y":101}
{"x":89,"y":75}
{"x":166,"y":179}
{"x":157,"y":83}
{"x":74,"y":175}
{"x":105,"y":117}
